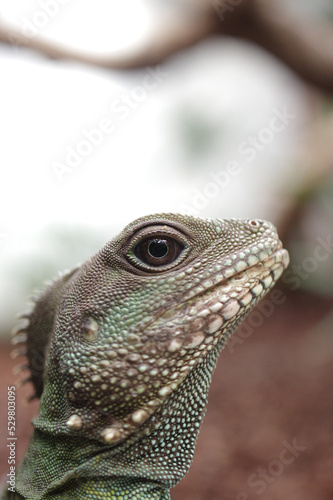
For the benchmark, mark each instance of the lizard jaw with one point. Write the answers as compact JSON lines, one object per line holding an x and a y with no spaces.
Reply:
{"x":201,"y":321}
{"x":225,"y":299}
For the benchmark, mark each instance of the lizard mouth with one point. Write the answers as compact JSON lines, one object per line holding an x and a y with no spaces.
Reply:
{"x":229,"y":299}
{"x":234,"y":287}
{"x":244,"y":270}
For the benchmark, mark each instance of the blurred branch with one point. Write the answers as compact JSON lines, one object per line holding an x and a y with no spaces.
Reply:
{"x":187,"y":27}
{"x":306,"y":47}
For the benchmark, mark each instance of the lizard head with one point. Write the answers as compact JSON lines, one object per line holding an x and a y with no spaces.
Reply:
{"x":134,"y":333}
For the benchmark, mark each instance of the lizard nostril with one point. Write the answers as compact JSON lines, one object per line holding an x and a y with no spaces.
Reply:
{"x":255,"y":223}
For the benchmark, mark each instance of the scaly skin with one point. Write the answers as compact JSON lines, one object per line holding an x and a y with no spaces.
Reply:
{"x":130,"y":340}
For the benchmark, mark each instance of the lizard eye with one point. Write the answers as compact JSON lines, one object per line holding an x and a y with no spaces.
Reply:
{"x":158,"y":251}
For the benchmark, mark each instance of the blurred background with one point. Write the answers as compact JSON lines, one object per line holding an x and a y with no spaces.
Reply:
{"x":110,"y":111}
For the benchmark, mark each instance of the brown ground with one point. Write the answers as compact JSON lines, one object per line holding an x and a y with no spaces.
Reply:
{"x":274,"y":391}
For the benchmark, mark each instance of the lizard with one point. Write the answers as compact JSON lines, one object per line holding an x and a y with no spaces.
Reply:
{"x":122,"y":348}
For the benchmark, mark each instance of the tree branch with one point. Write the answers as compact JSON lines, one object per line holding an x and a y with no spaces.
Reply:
{"x":183,"y":31}
{"x":303,"y":46}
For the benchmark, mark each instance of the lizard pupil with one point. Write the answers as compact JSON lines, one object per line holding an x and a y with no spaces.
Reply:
{"x":157,"y":251}
{"x":158,"y":248}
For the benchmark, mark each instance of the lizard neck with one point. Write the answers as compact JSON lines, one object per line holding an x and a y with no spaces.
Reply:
{"x":73,"y":474}
{"x":143,"y":467}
